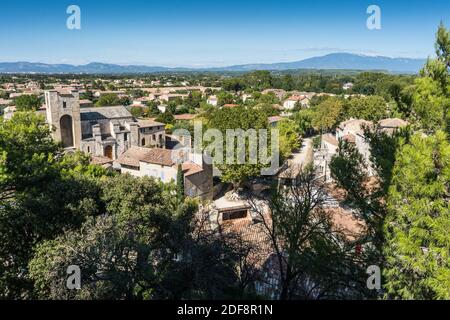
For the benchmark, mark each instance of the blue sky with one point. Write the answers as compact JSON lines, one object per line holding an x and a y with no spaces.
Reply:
{"x":214,"y":33}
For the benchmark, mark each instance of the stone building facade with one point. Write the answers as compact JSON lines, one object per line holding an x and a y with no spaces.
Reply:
{"x":99,"y":131}
{"x":163,"y":164}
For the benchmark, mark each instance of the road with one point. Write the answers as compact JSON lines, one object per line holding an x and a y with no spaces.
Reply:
{"x":299,"y":159}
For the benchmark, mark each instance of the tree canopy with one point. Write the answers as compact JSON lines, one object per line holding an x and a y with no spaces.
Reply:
{"x":27,"y":102}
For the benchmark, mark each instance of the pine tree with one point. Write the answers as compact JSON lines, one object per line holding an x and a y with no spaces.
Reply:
{"x":180,"y":183}
{"x":417,"y":248}
{"x":417,"y":226}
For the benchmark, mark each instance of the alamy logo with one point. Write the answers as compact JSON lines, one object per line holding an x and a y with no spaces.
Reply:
{"x":374,"y":280}
{"x":74,"y":280}
{"x":74,"y":20}
{"x":374,"y":20}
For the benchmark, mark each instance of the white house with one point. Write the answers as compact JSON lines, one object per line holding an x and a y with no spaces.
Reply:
{"x":292,"y":101}
{"x":246,"y":97}
{"x":163,"y":164}
{"x":162,"y":108}
{"x":353,"y":131}
{"x":328,"y":148}
{"x":212,"y":100}
{"x":347,"y":86}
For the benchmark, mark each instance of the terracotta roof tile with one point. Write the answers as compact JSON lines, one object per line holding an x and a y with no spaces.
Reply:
{"x":186,"y":116}
{"x":349,"y":138}
{"x":393,"y":123}
{"x":330,"y":139}
{"x":133,"y":156}
{"x":345,"y":222}
{"x":275,"y":119}
{"x":101,"y":160}
{"x":159,"y":156}
{"x":148,"y":123}
{"x":191,"y":168}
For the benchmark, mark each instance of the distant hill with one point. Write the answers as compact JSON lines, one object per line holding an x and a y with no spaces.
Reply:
{"x":91,"y":68}
{"x":341,"y":61}
{"x":335,"y":61}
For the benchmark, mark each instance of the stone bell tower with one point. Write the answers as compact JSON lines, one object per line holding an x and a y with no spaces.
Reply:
{"x":63,"y":115}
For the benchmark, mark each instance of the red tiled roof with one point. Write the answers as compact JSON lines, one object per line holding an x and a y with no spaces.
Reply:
{"x":159,"y":156}
{"x":255,"y":235}
{"x":392,"y":123}
{"x":345,"y":222}
{"x":148,"y":123}
{"x":133,"y":156}
{"x":355,"y":125}
{"x":101,"y":160}
{"x":296,"y":98}
{"x":349,"y":138}
{"x":186,"y":116}
{"x":191,"y":168}
{"x":275,"y":119}
{"x":330,"y":139}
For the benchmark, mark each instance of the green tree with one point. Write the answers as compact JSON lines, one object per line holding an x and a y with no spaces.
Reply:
{"x":368,"y":199}
{"x":193,"y":100}
{"x":153,"y":109}
{"x":431,"y":104}
{"x":431,"y":101}
{"x":137,"y":112}
{"x":180,"y":183}
{"x":304,"y":119}
{"x":233,"y":84}
{"x":166,"y":118}
{"x":28,"y":102}
{"x":269,"y":98}
{"x":327,"y":114}
{"x":145,"y":245}
{"x":307,"y":249}
{"x":417,"y":239}
{"x":289,"y":137}
{"x":4,"y":94}
{"x":406,"y":206}
{"x":42,"y":193}
{"x":28,"y":153}
{"x":108,"y":99}
{"x":224,"y":97}
{"x":258,"y":80}
{"x":239,"y":118}
{"x":371,"y":108}
{"x":442,"y":45}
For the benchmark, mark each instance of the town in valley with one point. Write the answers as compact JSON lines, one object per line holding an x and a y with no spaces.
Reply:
{"x":321,"y":179}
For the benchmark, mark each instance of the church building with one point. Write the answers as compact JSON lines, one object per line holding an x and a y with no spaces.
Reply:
{"x":99,"y":131}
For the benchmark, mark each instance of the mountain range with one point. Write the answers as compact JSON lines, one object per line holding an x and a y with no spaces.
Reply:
{"x":334,"y":61}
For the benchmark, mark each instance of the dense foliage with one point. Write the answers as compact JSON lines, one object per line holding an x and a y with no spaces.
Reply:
{"x":407,"y":207}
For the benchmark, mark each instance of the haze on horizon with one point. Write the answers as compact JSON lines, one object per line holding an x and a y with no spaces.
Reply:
{"x":211,"y":34}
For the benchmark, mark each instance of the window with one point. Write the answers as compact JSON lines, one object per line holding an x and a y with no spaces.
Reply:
{"x":108,"y":152}
{"x":89,"y":149}
{"x":231,"y":215}
{"x":125,"y":137}
{"x":65,"y":124}
{"x":191,"y":192}
{"x":64,"y":104}
{"x":153,"y":137}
